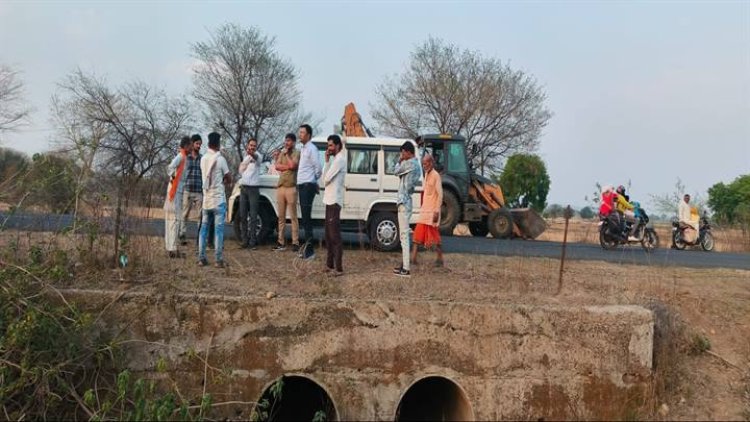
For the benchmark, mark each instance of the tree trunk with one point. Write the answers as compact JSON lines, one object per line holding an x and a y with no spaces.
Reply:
{"x":118,"y":219}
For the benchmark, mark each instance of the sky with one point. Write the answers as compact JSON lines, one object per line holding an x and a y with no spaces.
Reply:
{"x":643,"y":93}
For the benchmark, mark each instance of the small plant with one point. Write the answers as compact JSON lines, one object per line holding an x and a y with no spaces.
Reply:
{"x":699,"y":344}
{"x":265,"y":409}
{"x":57,"y":364}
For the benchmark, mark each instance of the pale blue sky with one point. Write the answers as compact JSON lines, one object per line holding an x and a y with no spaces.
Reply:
{"x":662,"y":86}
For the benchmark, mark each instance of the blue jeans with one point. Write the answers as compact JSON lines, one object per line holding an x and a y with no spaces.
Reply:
{"x":218,"y":214}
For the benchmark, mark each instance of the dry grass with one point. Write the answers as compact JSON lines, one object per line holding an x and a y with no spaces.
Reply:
{"x":714,"y":303}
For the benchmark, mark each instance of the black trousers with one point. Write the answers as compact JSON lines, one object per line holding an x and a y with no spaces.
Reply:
{"x":249,"y":196}
{"x":333,"y":237}
{"x":307,"y":192}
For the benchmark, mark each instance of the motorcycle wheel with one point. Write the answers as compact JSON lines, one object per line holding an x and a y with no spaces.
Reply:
{"x":678,"y":242}
{"x":650,"y":240}
{"x":707,"y":243}
{"x":607,"y":242}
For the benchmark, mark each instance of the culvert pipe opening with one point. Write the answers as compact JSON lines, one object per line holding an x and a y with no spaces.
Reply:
{"x":434,"y":399}
{"x":295,"y":398}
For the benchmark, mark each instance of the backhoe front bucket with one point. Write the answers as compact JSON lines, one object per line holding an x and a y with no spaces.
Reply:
{"x":527,"y":224}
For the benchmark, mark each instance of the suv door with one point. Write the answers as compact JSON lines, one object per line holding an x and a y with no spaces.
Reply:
{"x":390,"y":180}
{"x":362,"y":183}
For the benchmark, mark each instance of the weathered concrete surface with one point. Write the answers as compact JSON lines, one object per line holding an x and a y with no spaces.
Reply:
{"x":513,"y":362}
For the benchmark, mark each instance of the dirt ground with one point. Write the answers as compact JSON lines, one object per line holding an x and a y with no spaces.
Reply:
{"x":714,"y":303}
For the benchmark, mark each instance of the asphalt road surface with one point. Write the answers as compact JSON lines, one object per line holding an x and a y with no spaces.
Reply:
{"x":632,"y":254}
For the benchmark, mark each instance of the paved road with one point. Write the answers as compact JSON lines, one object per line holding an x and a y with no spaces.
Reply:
{"x":484,"y":246}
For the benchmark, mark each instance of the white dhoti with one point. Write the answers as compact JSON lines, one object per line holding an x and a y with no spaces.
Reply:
{"x":172,"y":214}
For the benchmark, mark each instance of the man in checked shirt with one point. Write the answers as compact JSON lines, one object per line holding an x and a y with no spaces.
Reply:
{"x":192,"y":197}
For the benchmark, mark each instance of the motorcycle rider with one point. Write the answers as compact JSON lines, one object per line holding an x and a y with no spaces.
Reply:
{"x":607,"y":211}
{"x":686,"y":220}
{"x":625,"y":209}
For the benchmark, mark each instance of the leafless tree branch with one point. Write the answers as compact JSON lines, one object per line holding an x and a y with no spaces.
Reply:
{"x":445,"y":89}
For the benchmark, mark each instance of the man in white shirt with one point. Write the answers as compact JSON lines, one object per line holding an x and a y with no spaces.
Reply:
{"x":215,"y":174}
{"x":308,"y":173}
{"x":687,"y":222}
{"x":173,"y":203}
{"x":250,"y":194}
{"x":333,"y":198}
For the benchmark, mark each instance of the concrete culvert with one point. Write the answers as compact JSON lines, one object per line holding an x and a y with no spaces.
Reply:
{"x":295,"y":398}
{"x":434,"y":399}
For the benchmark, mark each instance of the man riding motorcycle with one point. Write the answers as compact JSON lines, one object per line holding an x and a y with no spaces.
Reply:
{"x":625,"y":209}
{"x":607,"y":211}
{"x":688,"y":218}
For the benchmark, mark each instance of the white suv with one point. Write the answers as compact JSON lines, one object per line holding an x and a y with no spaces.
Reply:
{"x":369,"y":195}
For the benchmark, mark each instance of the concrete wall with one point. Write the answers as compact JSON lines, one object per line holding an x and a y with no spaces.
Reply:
{"x":511,"y":362}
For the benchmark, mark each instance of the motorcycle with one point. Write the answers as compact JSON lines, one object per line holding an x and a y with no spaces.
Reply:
{"x":611,"y":237}
{"x":705,"y":239}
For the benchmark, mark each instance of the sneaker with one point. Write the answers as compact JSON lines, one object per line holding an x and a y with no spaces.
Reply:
{"x":632,"y":239}
{"x":338,"y":273}
{"x":219,"y":264}
{"x":309,"y":255}
{"x":279,"y":247}
{"x":439,"y":264}
{"x":183,"y":241}
{"x":295,"y":248}
{"x":402,"y":273}
{"x":203,"y":263}
{"x":397,"y":270}
{"x":173,"y":254}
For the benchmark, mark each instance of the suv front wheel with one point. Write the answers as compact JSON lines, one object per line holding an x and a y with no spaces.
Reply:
{"x":384,"y":231}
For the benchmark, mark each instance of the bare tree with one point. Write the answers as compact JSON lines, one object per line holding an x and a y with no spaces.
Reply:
{"x":13,"y":109}
{"x":444,"y":89}
{"x":668,"y":203}
{"x":131,"y":131}
{"x":248,"y":89}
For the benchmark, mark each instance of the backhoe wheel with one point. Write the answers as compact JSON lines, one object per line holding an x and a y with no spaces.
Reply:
{"x":500,"y":223}
{"x":479,"y":228}
{"x":449,"y":213}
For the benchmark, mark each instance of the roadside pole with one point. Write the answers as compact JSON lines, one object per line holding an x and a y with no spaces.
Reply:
{"x":568,"y":213}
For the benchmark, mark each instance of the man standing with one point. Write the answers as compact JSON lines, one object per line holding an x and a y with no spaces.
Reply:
{"x":192,"y":198}
{"x":286,"y":162}
{"x":250,"y":194}
{"x":173,"y":202}
{"x":333,"y":198}
{"x":427,"y":234}
{"x":308,"y":174}
{"x":407,"y":171}
{"x":215,"y":174}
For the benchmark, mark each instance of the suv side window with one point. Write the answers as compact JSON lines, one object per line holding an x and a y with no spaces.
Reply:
{"x":391,"y":159}
{"x":321,"y":153}
{"x":362,"y":161}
